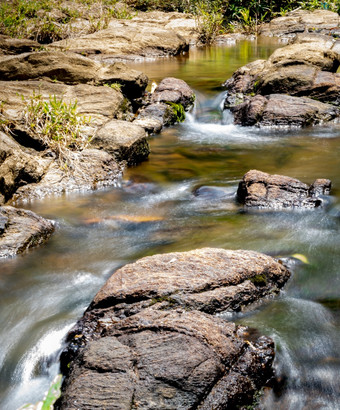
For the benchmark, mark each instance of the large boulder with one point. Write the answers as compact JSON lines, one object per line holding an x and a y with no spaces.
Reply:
{"x":300,"y":21}
{"x":21,"y":230}
{"x":71,"y":68}
{"x":306,"y":69}
{"x":317,"y":54}
{"x":261,"y":190}
{"x":147,"y":340}
{"x":283,"y":110}
{"x":168,"y":360}
{"x":99,"y":103}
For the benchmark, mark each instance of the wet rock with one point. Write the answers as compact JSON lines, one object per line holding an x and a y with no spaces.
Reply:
{"x":71,"y":68}
{"x":212,"y":193}
{"x":300,"y":21}
{"x":21,"y":230}
{"x":9,"y":45}
{"x":174,"y":90}
{"x":146,"y":340}
{"x":261,"y":190}
{"x":155,"y":116}
{"x":143,"y":36}
{"x":167,"y":105}
{"x":306,"y":68}
{"x":125,"y":141}
{"x":243,"y":79}
{"x":301,"y":80}
{"x":283,"y":110}
{"x":168,"y":360}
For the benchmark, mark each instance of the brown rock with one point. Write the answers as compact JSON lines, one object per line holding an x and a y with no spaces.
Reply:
{"x":10,"y":45}
{"x":173,"y":360}
{"x":71,"y":68}
{"x":143,"y":36}
{"x":184,"y":279}
{"x":300,"y":21}
{"x":126,"y":141}
{"x":89,"y":169}
{"x":174,"y":90}
{"x":17,"y":168}
{"x":99,"y":103}
{"x":21,"y":230}
{"x":283,"y":110}
{"x":261,"y":190}
{"x":314,"y":53}
{"x":145,"y":343}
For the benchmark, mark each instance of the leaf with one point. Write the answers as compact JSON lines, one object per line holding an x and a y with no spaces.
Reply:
{"x":53,"y":393}
{"x":301,"y":258}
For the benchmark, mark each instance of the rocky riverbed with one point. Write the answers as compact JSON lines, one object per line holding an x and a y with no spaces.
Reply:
{"x":151,"y":337}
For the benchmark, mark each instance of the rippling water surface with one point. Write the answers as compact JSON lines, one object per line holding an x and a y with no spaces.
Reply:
{"x":43,"y":292}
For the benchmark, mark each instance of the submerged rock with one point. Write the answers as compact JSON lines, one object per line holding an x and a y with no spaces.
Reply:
{"x":147,"y":340}
{"x":261,"y":190}
{"x":21,"y":230}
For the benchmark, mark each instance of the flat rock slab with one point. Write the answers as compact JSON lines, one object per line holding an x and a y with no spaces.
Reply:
{"x":148,"y":342}
{"x":148,"y":36}
{"x":9,"y":45}
{"x":71,"y":68}
{"x":283,"y":110}
{"x":20,"y":230}
{"x":301,"y":21}
{"x":261,"y":190}
{"x":98,"y":102}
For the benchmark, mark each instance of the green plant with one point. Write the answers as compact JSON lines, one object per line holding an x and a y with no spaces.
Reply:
{"x":178,"y":110}
{"x":209,"y":19}
{"x":114,"y":86}
{"x":57,"y":124}
{"x":50,"y":398}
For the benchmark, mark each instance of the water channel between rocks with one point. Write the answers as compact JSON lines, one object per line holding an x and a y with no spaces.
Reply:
{"x":43,"y":292}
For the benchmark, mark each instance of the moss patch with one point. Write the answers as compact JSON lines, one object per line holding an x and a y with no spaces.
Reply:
{"x":259,"y":280}
{"x":178,"y":110}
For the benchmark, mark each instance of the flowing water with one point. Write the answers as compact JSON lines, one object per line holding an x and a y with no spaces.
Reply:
{"x":153,"y":210}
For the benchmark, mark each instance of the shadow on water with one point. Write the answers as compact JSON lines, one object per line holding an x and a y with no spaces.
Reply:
{"x":183,"y":198}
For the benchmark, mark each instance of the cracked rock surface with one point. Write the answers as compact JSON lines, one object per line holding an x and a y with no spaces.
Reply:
{"x":149,"y":339}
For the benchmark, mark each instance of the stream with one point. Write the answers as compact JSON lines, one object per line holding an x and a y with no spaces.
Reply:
{"x":153,"y":210}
